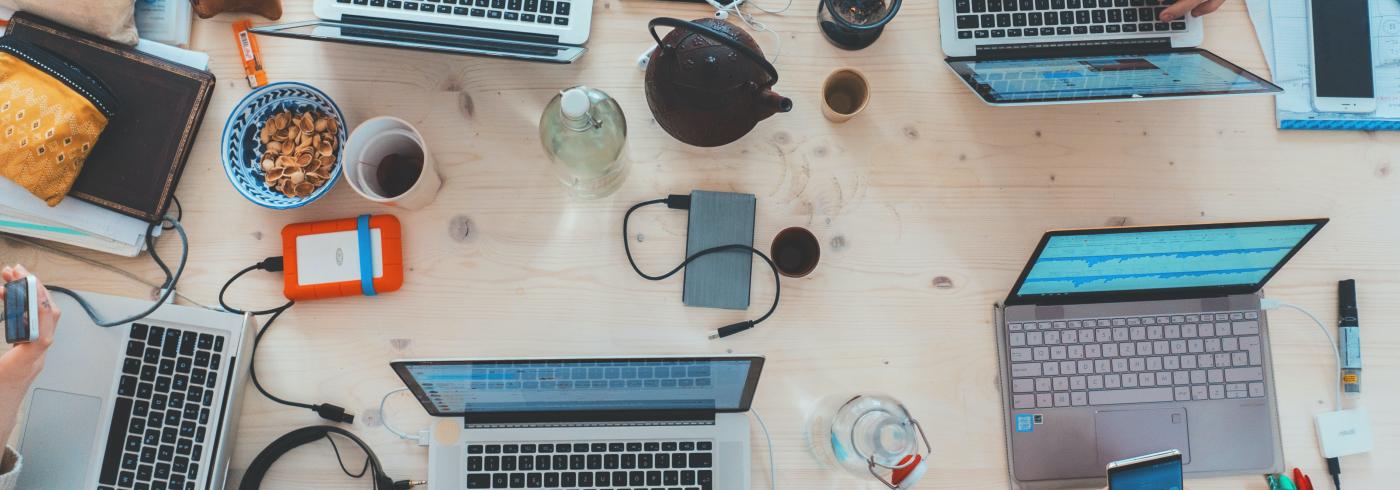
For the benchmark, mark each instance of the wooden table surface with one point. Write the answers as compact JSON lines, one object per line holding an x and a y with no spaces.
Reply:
{"x":926,"y":205}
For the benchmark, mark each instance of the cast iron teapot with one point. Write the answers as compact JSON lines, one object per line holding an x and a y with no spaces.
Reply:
{"x":708,"y":83}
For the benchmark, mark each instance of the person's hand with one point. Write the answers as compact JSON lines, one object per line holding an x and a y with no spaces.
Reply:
{"x":24,"y":360}
{"x":1196,"y":7}
{"x":21,"y":364}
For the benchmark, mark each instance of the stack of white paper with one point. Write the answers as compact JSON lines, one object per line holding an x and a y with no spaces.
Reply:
{"x":72,"y":221}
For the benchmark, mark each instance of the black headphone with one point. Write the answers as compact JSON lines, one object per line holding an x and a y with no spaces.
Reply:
{"x":252,"y":479}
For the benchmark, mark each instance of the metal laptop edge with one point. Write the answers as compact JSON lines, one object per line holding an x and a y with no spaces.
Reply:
{"x":224,"y":431}
{"x":331,"y":14}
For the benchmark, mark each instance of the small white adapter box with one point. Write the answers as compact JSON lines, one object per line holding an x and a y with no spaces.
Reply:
{"x":1344,"y":432}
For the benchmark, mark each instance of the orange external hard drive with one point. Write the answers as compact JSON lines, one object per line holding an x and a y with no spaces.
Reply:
{"x":343,"y":257}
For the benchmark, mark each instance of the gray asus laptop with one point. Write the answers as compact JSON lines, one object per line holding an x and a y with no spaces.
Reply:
{"x":1119,"y":342}
{"x":606,"y":423}
{"x":1036,"y":52}
{"x":152,"y":404}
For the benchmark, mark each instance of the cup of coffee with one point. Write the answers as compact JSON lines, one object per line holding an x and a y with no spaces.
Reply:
{"x":795,"y":251}
{"x":844,"y":94}
{"x":386,"y":161}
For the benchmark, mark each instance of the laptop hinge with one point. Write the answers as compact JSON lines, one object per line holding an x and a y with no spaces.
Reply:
{"x":1061,"y":49}
{"x":584,"y":418}
{"x":450,"y":30}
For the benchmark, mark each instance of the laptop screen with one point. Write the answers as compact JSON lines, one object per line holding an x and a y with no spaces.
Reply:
{"x":1223,"y":258}
{"x":573,"y":385}
{"x":1084,"y":78}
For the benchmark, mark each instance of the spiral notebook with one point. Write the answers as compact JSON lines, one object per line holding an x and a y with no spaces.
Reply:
{"x":1282,"y":28}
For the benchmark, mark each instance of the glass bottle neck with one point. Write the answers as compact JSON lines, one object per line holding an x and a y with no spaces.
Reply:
{"x":582,"y":123}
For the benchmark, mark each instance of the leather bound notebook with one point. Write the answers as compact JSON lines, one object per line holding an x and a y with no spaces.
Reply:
{"x":137,"y":162}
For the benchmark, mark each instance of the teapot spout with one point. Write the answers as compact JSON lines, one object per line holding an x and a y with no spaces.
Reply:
{"x":773,"y":103}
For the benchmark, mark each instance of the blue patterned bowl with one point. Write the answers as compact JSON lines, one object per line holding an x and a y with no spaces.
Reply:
{"x":242,"y":147}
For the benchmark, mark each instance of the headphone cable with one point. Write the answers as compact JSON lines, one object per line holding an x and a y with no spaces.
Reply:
{"x":167,"y":288}
{"x":334,"y":413}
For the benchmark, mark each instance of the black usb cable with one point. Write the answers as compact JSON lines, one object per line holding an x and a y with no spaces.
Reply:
{"x":682,"y":202}
{"x":327,"y":411}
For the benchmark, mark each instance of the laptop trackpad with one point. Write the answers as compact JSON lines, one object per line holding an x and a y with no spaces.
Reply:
{"x":58,"y":437}
{"x":1125,"y":434}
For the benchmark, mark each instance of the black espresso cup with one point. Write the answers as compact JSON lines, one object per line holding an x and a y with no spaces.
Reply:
{"x":795,"y":251}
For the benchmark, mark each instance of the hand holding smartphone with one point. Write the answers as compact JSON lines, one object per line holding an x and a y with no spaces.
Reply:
{"x":1157,"y":471}
{"x":22,"y":310}
{"x":1339,"y":32}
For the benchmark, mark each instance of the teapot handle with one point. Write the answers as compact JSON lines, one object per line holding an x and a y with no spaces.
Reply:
{"x":716,"y":35}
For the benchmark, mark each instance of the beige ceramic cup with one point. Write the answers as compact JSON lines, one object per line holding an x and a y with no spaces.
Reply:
{"x":845,"y":93}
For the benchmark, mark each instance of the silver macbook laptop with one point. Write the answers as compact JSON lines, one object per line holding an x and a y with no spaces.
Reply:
{"x":1031,"y":52}
{"x":535,"y":30}
{"x":1119,"y":342}
{"x":606,"y":423}
{"x":153,"y":404}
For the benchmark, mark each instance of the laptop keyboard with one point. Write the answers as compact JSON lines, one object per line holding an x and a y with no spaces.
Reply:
{"x":1139,"y":359}
{"x":160,"y":422}
{"x":611,"y":465}
{"x":527,"y":11}
{"x":983,"y":19}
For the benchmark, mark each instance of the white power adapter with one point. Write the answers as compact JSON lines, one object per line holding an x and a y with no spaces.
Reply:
{"x":1344,"y":432}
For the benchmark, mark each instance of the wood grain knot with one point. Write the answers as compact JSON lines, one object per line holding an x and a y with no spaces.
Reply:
{"x":460,"y":228}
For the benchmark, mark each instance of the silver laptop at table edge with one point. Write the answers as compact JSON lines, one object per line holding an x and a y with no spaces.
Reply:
{"x":464,"y":28}
{"x":70,"y":407}
{"x":1191,"y":37}
{"x":1183,"y":36}
{"x":727,"y":427}
{"x":1218,"y":436}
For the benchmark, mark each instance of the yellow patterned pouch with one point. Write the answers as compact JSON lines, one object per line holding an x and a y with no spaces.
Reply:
{"x":51,"y":114}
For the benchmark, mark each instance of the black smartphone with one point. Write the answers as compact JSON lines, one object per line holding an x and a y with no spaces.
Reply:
{"x":1157,"y":471}
{"x":22,"y":310}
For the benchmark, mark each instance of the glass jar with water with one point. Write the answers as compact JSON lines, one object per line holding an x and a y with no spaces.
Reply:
{"x":585,"y":134}
{"x":869,"y":436}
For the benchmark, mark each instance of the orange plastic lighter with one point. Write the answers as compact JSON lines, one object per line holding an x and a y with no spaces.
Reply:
{"x":249,"y":52}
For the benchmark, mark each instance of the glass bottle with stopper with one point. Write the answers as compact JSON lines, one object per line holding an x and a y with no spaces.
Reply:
{"x":585,"y":135}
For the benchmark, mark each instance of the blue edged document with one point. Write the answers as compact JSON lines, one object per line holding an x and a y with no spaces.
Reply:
{"x":1282,"y":28}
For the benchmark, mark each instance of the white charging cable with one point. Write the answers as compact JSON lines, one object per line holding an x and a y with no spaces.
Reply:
{"x":722,"y":12}
{"x":1271,"y":304}
{"x":772,"y":468}
{"x":421,"y":438}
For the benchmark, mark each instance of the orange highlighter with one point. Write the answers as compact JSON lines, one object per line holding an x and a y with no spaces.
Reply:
{"x":344,"y":257}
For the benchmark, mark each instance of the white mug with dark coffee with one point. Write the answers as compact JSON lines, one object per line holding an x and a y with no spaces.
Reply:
{"x":386,"y":161}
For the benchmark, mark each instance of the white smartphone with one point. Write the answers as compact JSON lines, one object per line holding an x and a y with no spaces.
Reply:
{"x":22,"y":310}
{"x":1156,"y":471}
{"x":1339,"y":33}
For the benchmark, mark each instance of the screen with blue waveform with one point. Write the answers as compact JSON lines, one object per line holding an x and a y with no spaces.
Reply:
{"x":1104,"y":262}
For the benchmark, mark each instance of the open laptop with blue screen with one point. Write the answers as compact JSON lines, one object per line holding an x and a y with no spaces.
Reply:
{"x":606,"y":423}
{"x":1117,"y":342}
{"x":1035,"y":52}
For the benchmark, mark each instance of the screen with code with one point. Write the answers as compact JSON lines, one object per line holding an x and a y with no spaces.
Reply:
{"x":1103,"y":262}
